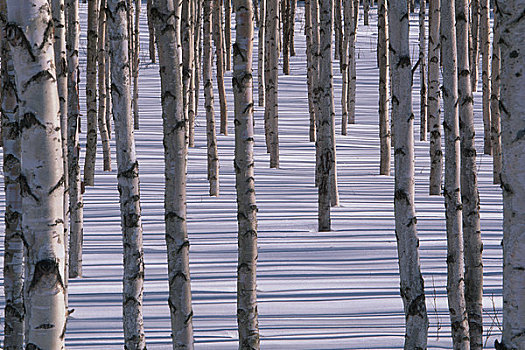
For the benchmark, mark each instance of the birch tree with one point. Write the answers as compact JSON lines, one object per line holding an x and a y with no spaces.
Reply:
{"x":136,"y":61}
{"x":434,"y":123}
{"x":219,"y":52}
{"x":166,"y":15}
{"x":469,"y":183}
{"x":495,"y":121}
{"x":227,"y":33}
{"x":452,"y":191}
{"x":271,"y":109}
{"x":485,"y":74}
{"x":474,"y":43}
{"x":14,"y":311}
{"x":512,"y":104}
{"x":384,"y":85}
{"x":311,"y":70}
{"x":261,"y":53}
{"x":151,"y":32}
{"x":247,"y":317}
{"x":352,"y":62}
{"x":101,"y":117}
{"x":422,"y":73}
{"x":412,"y":288}
{"x":41,"y":172}
{"x":187,"y":60}
{"x":128,"y":177}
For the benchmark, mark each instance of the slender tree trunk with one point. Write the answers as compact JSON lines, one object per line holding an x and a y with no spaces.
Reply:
{"x":285,"y":21}
{"x":293,"y":6}
{"x":485,"y":67}
{"x":109,"y":114}
{"x":227,"y":33}
{"x":76,"y":228}
{"x":452,"y":190}
{"x":247,"y":317}
{"x":469,"y":184}
{"x":191,"y":89}
{"x":197,"y":65}
{"x":474,"y":43}
{"x":41,"y":172}
{"x":151,"y":32}
{"x":166,"y":16}
{"x":422,"y":73}
{"x":512,"y":104}
{"x":338,"y":30}
{"x":272,"y":62}
{"x":91,"y":93}
{"x":136,"y":62}
{"x":384,"y":86}
{"x":261,"y":54}
{"x":412,"y":288}
{"x":494,"y":104}
{"x":366,"y":9}
{"x":348,"y":8}
{"x":14,"y":311}
{"x":352,"y":63}
{"x":207,"y":62}
{"x":128,"y":178}
{"x":217,"y":38}
{"x":311,"y":70}
{"x":102,"y":126}
{"x":187,"y":61}
{"x":434,"y":122}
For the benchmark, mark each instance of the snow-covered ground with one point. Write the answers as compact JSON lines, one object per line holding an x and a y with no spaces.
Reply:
{"x":316,"y":290}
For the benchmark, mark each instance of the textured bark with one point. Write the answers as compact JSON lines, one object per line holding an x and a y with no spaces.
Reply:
{"x":512,"y":104}
{"x":495,"y":132}
{"x":285,"y":25}
{"x":469,"y":184}
{"x":343,"y":63}
{"x":352,"y":77}
{"x":422,"y":73}
{"x":76,"y":227}
{"x":247,"y":317}
{"x":166,"y":16}
{"x":485,"y":74}
{"x":136,"y":62}
{"x":151,"y":32}
{"x":474,"y":43}
{"x":452,"y":190}
{"x":384,"y":89}
{"x":227,"y":33}
{"x":311,"y":70}
{"x":187,"y":63}
{"x":207,"y":62}
{"x":272,"y":63}
{"x":411,"y":280}
{"x":128,"y":177}
{"x":108,"y":86}
{"x":102,"y":126}
{"x":41,"y":171}
{"x":338,"y":30}
{"x":217,"y":39}
{"x":261,"y":53}
{"x":434,"y":123}
{"x":14,"y":311}
{"x":91,"y":93}
{"x":197,"y":64}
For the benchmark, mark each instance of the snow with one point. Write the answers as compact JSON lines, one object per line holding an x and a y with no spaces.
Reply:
{"x":329,"y":290}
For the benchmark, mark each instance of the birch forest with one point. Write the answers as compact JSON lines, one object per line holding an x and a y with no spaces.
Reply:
{"x":262,"y":174}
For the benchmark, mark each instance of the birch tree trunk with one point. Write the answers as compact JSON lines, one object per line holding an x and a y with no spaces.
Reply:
{"x":452,"y":190}
{"x":217,"y":38}
{"x":485,"y":67}
{"x":227,"y":33}
{"x":474,"y":43}
{"x":128,"y":178}
{"x":384,"y":86}
{"x":166,"y":16}
{"x":352,"y":64}
{"x":422,"y":73}
{"x":76,"y":228}
{"x":247,"y":317}
{"x":207,"y":62}
{"x":348,"y":8}
{"x":261,"y":53}
{"x":469,"y":184}
{"x":293,"y":6}
{"x":338,"y":30}
{"x":285,"y":21}
{"x":91,"y":94}
{"x":311,"y":71}
{"x":434,"y":123}
{"x":512,"y":104}
{"x":151,"y":32}
{"x":187,"y":61}
{"x":272,"y":61}
{"x":14,"y":311}
{"x":197,"y":64}
{"x":41,"y":172}
{"x":102,"y":126}
{"x":412,"y":288}
{"x":108,"y":84}
{"x":495,"y":132}
{"x":136,"y":62}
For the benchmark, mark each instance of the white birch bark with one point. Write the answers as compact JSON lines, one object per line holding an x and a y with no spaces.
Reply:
{"x":76,"y":228}
{"x":217,"y":39}
{"x":485,"y":74}
{"x":109,"y":114}
{"x":187,"y":60}
{"x":197,"y":63}
{"x":338,"y":29}
{"x":512,"y":104}
{"x":348,"y":9}
{"x":128,"y":177}
{"x":166,"y":15}
{"x":261,"y":53}
{"x":352,"y":77}
{"x":91,"y":93}
{"x":474,"y":43}
{"x":136,"y":62}
{"x":422,"y":73}
{"x":41,"y":172}
{"x":247,"y":317}
{"x":411,"y":280}
{"x":311,"y":70}
{"x":452,"y":190}
{"x":272,"y":63}
{"x":434,"y":122}
{"x":469,"y":183}
{"x":14,"y":311}
{"x":384,"y":89}
{"x":101,"y":117}
{"x":207,"y":62}
{"x":495,"y":121}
